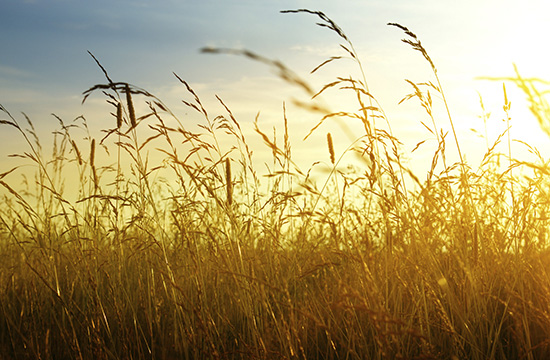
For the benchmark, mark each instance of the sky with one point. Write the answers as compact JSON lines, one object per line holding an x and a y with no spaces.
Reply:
{"x":45,"y":65}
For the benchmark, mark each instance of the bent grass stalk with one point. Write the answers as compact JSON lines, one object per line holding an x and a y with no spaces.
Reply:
{"x":415,"y":43}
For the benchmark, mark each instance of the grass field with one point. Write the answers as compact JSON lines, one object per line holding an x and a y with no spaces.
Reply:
{"x":201,"y":256}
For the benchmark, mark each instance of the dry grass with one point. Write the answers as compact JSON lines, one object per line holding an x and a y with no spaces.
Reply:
{"x":373,"y":263}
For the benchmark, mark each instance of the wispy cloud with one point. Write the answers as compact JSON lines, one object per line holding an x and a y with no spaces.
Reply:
{"x":324,"y":51}
{"x":11,"y":71}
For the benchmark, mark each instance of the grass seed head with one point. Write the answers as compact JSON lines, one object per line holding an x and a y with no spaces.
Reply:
{"x":92,"y":153}
{"x":228,"y":181}
{"x":78,"y":156}
{"x":330,"y":148}
{"x":130,"y":104}
{"x":119,"y":115}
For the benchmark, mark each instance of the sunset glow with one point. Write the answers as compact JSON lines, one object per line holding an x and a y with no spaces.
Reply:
{"x":274,"y":180}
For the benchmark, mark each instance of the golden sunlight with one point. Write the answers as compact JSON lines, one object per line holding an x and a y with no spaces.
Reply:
{"x":199,"y":232}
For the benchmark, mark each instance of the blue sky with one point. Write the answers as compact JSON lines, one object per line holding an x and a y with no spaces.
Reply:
{"x":44,"y":65}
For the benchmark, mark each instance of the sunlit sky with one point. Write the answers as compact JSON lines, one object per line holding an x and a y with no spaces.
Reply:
{"x":45,"y":67}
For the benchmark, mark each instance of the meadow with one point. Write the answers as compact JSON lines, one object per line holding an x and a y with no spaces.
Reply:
{"x":201,"y":256}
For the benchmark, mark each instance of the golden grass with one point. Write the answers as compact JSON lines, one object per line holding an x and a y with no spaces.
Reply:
{"x":194,"y":258}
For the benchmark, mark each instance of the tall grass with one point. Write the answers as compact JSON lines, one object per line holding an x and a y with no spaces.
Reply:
{"x":194,"y":257}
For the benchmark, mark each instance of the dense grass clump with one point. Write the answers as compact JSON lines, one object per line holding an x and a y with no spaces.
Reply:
{"x":195,"y":257}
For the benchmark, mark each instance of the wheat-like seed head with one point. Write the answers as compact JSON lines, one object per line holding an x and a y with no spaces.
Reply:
{"x":330,"y":148}
{"x":92,"y":164}
{"x":119,"y":115}
{"x":130,"y":104}
{"x":228,"y":181}
{"x":92,"y":153}
{"x":78,"y":156}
